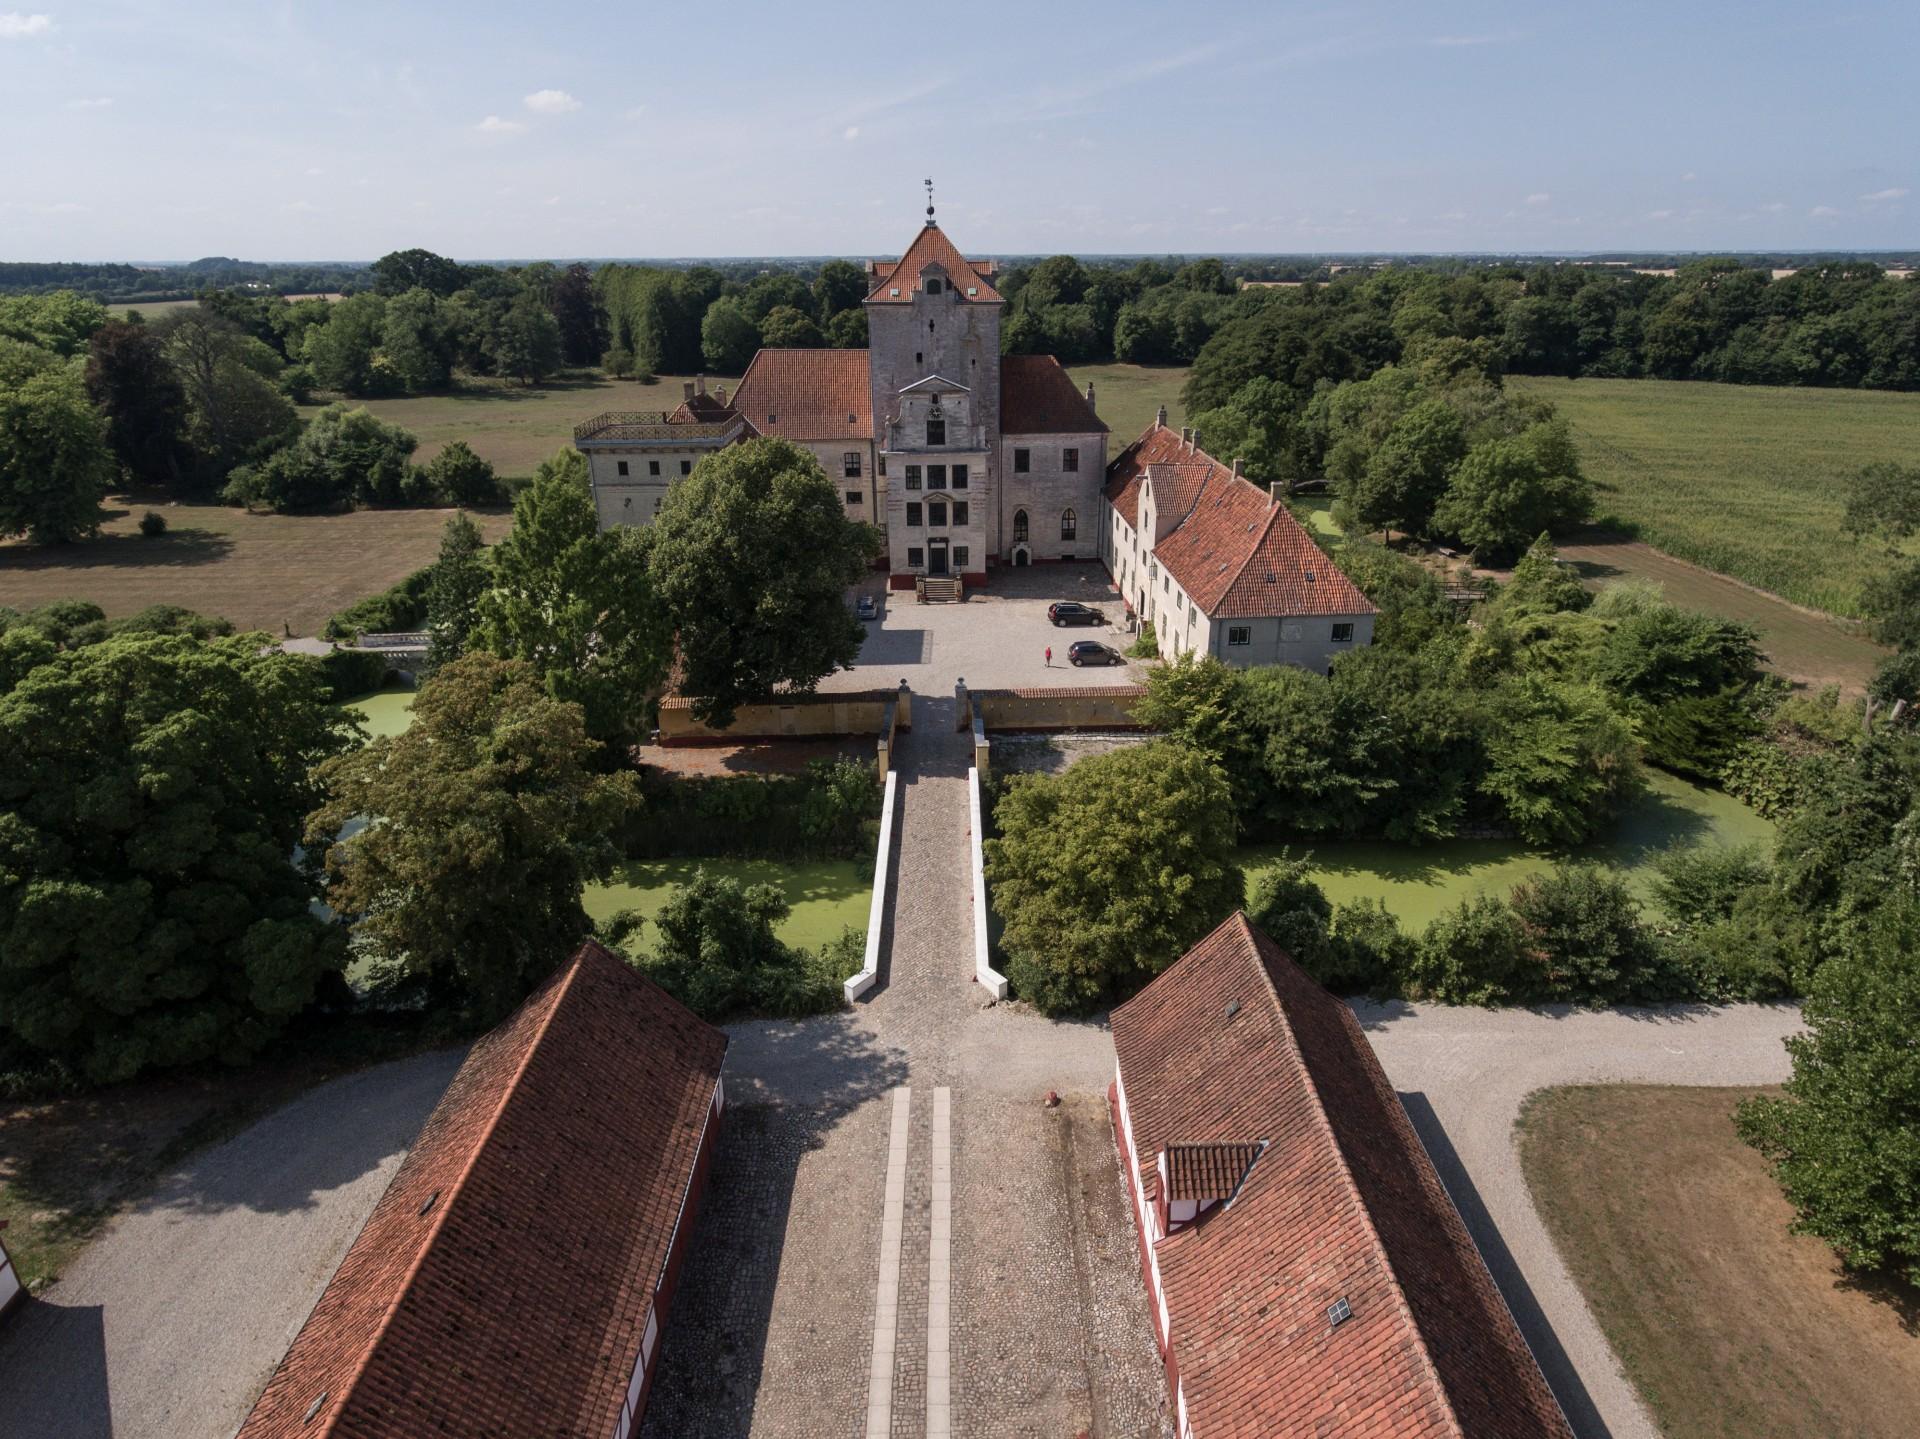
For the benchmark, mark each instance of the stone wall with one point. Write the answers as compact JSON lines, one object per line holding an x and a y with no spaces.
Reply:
{"x":865,"y":712}
{"x":1046,"y":491}
{"x":1067,"y":708}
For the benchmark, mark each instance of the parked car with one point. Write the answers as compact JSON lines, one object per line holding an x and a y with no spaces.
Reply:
{"x":865,"y":609}
{"x":1092,"y":652}
{"x":1070,"y":612}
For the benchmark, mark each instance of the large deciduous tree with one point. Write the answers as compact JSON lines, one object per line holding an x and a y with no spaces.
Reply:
{"x":150,"y":910}
{"x":54,"y":460}
{"x":235,"y":411}
{"x":1106,"y":874}
{"x":728,"y":336}
{"x":751,"y":558}
{"x":458,"y":581}
{"x":485,"y":819}
{"x":133,"y":383}
{"x":576,"y":603}
{"x":580,"y":315}
{"x":1507,"y":491}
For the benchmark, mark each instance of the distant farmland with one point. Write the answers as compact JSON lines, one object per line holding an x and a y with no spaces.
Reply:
{"x":1748,"y":480}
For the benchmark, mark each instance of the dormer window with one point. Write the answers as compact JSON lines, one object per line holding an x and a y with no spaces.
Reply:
{"x":1198,"y":1178}
{"x":933,"y":285}
{"x":936,"y":431}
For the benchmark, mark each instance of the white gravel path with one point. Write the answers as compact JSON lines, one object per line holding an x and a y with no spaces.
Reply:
{"x":168,"y":1324}
{"x":1463,"y":1074}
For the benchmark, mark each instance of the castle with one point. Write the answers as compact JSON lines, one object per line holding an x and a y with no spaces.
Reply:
{"x":965,"y":458}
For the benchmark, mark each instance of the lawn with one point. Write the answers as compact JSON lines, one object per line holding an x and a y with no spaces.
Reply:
{"x":517,"y":426}
{"x":278,"y":573}
{"x":149,"y":309}
{"x":1677,"y":1236}
{"x":1744,"y":479}
{"x":827,"y":895}
{"x":1419,"y":883}
{"x":1127,"y":396}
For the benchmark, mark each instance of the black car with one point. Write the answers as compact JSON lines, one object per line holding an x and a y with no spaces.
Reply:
{"x":1092,"y":652}
{"x":1068,"y":612}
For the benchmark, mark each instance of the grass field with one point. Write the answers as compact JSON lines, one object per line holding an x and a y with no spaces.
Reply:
{"x":150,"y":309}
{"x":1731,"y":1327}
{"x":517,"y":426}
{"x":826,"y":895}
{"x":1127,"y":396}
{"x":260,"y":571}
{"x":1744,"y":479}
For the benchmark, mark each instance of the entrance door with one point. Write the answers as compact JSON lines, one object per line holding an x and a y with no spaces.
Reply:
{"x":937,"y":557}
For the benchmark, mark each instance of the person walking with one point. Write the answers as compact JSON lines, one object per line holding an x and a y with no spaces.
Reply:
{"x":1049,"y":656}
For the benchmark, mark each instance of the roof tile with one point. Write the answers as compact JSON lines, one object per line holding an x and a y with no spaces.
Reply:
{"x":930,"y":247}
{"x":807,"y":395}
{"x":1038,"y":397}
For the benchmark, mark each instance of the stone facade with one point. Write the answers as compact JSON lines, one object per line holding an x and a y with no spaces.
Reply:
{"x":1050,"y":499}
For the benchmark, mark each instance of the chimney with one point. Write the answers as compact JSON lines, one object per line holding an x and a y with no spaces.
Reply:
{"x":1186,"y":438}
{"x":700,"y":384}
{"x":686,"y":389}
{"x":720,"y":393}
{"x":1278,"y":489}
{"x":1089,"y":394}
{"x":1160,"y":418}
{"x":1236,"y":467}
{"x":1194,"y":443}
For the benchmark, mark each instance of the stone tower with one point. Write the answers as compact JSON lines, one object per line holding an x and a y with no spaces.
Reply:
{"x":933,"y":337}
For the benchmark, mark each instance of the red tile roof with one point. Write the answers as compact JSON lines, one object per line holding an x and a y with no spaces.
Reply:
{"x":807,"y":395}
{"x":1207,"y":1171}
{"x":503,"y":1282}
{"x":1038,"y":397}
{"x":1236,"y":1044}
{"x":1237,"y":552}
{"x":930,"y":246}
{"x":700,"y":409}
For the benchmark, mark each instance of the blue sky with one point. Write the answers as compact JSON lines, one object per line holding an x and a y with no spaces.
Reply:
{"x":484,"y":130}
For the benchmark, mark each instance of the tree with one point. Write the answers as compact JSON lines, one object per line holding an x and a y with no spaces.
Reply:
{"x":403,"y":270}
{"x":1291,"y":910}
{"x":151,"y":800}
{"x":458,"y":581}
{"x":416,"y":341}
{"x":1506,"y":491}
{"x":728,"y":337}
{"x":1476,"y":953}
{"x":751,"y":558}
{"x":838,"y":289}
{"x":580,"y":315}
{"x":527,"y":344}
{"x":1844,"y":1139}
{"x":1542,"y":585}
{"x":1891,"y":600}
{"x":235,"y":412}
{"x":1560,"y":762}
{"x":54,"y":460}
{"x":1107,"y":873}
{"x":787,"y":328}
{"x":718,"y":954}
{"x":1883,"y":501}
{"x":1584,"y":936}
{"x":459,"y":475}
{"x":1260,"y":426}
{"x":1407,"y":474}
{"x":848,"y":330}
{"x":135,"y":388}
{"x":346,"y":454}
{"x":62,"y":322}
{"x":485,"y":822}
{"x":576,"y":603}
{"x":342,"y":351}
{"x":1667,"y":653}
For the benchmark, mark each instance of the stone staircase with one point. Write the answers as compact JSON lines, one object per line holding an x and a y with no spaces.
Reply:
{"x":936,"y":589}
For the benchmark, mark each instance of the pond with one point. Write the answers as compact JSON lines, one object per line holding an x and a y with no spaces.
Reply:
{"x":1418,"y":883}
{"x":386,"y":712}
{"x":827,"y":895}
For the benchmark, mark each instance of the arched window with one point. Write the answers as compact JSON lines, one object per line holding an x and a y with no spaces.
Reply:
{"x":933,"y":285}
{"x":1068,"y":524}
{"x":1019,"y":526}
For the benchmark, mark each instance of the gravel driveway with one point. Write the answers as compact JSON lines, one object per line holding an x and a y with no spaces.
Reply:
{"x":1463,"y":1074}
{"x":167,"y":1326}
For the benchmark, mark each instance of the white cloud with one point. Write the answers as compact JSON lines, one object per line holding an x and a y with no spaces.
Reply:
{"x":1539,"y":198}
{"x":551,"y":102}
{"x":494,"y":125}
{"x":102,"y":103}
{"x":852,"y":132}
{"x":301,"y":207}
{"x":1659,"y":214}
{"x":15,"y":26}
{"x":1689,"y":176}
{"x":551,"y":200}
{"x":315,"y":170}
{"x":1896,"y":192}
{"x":1822,"y":212}
{"x":1458,"y":42}
{"x":1775,"y":207}
{"x":637,"y":112}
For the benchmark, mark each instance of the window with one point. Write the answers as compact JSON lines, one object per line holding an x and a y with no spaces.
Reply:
{"x":1070,"y":460}
{"x":937,"y":513}
{"x":1069,"y":525}
{"x":1019,"y":525}
{"x":1239,"y":634}
{"x":853,"y":497}
{"x":959,"y":512}
{"x":933,"y":285}
{"x":936,"y":430}
{"x":913,"y":477}
{"x":918,"y":357}
{"x":959,"y":557}
{"x":936,"y":477}
{"x":621,"y":467}
{"x":1343,"y":634}
{"x":653,"y":467}
{"x":959,"y":477}
{"x":686,"y":467}
{"x":850,"y":464}
{"x":881,"y":466}
{"x":913,"y":513}
{"x":1022,"y":461}
{"x":916,"y":558}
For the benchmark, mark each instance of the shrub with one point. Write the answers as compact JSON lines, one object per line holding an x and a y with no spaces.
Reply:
{"x":1698,"y":884}
{"x":153,"y":524}
{"x":1147,"y":646}
{"x":717,"y":953}
{"x":1290,"y":909}
{"x":350,"y":672}
{"x":1476,"y":953}
{"x":830,"y":810}
{"x":404,"y":607}
{"x":1584,"y":931}
{"x":1370,"y":952}
{"x":461,"y":477}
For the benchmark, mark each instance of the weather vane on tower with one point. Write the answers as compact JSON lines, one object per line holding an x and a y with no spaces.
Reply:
{"x":929,"y":184}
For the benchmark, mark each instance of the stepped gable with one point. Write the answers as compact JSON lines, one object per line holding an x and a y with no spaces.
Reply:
{"x":807,"y":395}
{"x":505,"y":1279}
{"x":930,"y":246}
{"x":1235,"y":1045}
{"x":1038,"y":397}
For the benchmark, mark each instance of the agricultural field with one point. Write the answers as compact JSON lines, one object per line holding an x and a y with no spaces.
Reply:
{"x":1747,"y":480}
{"x":149,"y":309}
{"x":1730,"y":1326}
{"x":1127,"y":396}
{"x":517,"y":426}
{"x":284,"y":574}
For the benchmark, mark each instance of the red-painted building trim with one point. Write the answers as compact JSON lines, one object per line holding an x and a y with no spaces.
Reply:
{"x":1137,"y":1205}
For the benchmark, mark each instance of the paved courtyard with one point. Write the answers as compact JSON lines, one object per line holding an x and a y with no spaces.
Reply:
{"x":997,"y":638}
